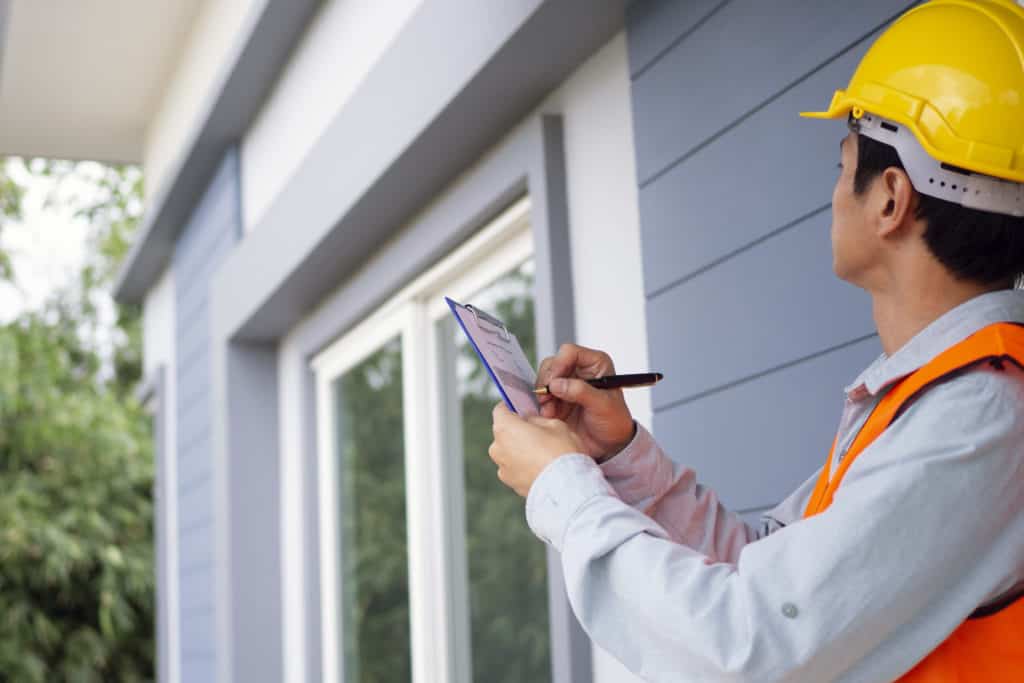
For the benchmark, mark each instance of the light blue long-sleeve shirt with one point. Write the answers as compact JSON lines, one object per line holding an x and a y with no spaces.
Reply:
{"x":927,"y":525}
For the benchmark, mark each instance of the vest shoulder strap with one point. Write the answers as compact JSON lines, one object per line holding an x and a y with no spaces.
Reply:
{"x":996,"y":344}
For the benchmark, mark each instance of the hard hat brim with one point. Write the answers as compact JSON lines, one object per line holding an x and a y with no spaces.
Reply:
{"x":937,"y":138}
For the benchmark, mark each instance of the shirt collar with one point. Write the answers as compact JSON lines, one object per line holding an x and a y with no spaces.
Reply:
{"x":948,"y":329}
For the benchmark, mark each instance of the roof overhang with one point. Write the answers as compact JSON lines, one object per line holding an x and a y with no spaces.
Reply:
{"x":82,"y":79}
{"x":260,"y":54}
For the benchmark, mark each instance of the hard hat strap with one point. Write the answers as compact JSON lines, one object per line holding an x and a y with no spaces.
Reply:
{"x":943,"y":181}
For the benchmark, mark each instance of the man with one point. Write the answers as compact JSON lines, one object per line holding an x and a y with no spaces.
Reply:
{"x":903,"y":558}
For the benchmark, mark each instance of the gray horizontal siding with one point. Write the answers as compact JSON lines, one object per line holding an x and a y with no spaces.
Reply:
{"x":755,"y":334}
{"x":778,"y":166}
{"x":201,"y":248}
{"x":762,"y":309}
{"x":753,"y":517}
{"x":743,"y":56}
{"x":755,"y":441}
{"x":201,"y":665}
{"x":656,"y":26}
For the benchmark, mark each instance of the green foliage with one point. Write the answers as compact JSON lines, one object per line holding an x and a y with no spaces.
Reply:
{"x":112,"y":206}
{"x":76,"y":467}
{"x":374,"y":559}
{"x":11,"y":194}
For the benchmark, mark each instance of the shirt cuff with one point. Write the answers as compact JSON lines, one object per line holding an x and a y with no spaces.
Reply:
{"x":623,"y":461}
{"x":558,"y":493}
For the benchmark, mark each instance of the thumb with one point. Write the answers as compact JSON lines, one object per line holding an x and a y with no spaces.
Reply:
{"x":578,"y":391}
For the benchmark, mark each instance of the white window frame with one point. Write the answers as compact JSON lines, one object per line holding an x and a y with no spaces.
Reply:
{"x":438,"y":588}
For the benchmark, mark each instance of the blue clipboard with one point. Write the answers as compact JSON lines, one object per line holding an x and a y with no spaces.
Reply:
{"x":502,"y":355}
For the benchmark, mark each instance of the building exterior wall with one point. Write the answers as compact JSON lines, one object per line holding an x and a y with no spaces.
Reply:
{"x":756,"y":336}
{"x":158,"y":325}
{"x":159,"y":361}
{"x":604,"y":216}
{"x":198,"y":73}
{"x":342,"y":44}
{"x":604,"y":226}
{"x":212,"y":230}
{"x":698,"y":217}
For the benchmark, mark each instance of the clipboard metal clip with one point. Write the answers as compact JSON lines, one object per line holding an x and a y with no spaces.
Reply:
{"x":490,"y":320}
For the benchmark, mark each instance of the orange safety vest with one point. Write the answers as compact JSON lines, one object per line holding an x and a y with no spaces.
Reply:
{"x":989,"y":645}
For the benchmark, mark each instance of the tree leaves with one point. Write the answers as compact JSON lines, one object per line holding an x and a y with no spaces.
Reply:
{"x":76,"y":473}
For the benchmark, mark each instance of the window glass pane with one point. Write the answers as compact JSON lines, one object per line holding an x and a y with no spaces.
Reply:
{"x":507,"y":565}
{"x":371,"y":478}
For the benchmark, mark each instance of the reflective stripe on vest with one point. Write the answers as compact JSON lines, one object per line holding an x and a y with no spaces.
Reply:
{"x":990,"y":645}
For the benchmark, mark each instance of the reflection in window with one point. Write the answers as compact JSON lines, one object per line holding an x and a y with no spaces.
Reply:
{"x":507,"y":565}
{"x":371,"y":477}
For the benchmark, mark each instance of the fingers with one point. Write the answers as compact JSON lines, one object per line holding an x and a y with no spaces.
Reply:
{"x":579,"y":392}
{"x":544,"y":372}
{"x":545,"y":422}
{"x":500,"y":413}
{"x":573,"y":360}
{"x":580,"y":361}
{"x":504,"y":421}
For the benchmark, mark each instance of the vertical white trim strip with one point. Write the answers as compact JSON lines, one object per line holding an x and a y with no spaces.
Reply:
{"x":446,"y":454}
{"x":424,"y":628}
{"x":170,"y":408}
{"x":327,"y":477}
{"x":291,"y":366}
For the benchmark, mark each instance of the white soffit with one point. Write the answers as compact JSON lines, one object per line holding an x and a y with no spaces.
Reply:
{"x":82,"y":79}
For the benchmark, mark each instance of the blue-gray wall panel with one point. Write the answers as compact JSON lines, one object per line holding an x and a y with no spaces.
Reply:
{"x":200,"y":634}
{"x":761,"y":309}
{"x":191,"y":434}
{"x":196,"y":407}
{"x":201,"y":248}
{"x":193,"y":467}
{"x":745,"y":54}
{"x":195,"y":507}
{"x":756,"y":335}
{"x":763,"y":175}
{"x":194,"y":355}
{"x":753,"y":517}
{"x":202,"y":664}
{"x":195,"y":371}
{"x":193,"y":470}
{"x":757,"y":441}
{"x":656,"y":24}
{"x":193,"y":542}
{"x":208,"y":254}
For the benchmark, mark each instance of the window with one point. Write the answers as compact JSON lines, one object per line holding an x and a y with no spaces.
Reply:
{"x":506,"y":570}
{"x":429,"y":571}
{"x":371,"y":513}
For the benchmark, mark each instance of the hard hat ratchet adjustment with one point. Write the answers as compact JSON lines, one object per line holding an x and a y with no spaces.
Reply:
{"x":936,"y":179}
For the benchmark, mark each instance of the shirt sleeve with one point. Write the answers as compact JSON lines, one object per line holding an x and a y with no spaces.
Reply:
{"x":927,"y":525}
{"x":646,"y":479}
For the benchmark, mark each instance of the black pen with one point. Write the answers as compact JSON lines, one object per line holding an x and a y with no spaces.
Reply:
{"x":643,"y":379}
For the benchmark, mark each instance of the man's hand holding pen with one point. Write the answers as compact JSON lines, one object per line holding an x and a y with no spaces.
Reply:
{"x":575,"y":418}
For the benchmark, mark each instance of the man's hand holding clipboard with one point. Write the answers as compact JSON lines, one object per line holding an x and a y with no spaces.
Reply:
{"x":531,"y":430}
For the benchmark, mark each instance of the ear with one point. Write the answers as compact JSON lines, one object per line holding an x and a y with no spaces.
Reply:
{"x":896,"y":202}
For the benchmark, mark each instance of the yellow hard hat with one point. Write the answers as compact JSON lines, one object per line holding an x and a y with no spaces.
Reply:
{"x":952,"y":73}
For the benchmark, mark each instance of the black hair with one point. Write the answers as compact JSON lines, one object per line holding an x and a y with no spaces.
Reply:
{"x":975,"y":245}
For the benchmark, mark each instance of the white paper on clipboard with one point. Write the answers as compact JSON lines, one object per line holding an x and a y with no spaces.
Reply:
{"x":502,"y":356}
